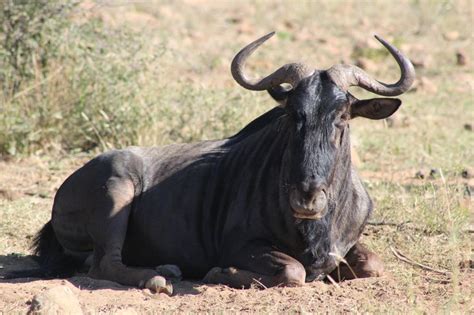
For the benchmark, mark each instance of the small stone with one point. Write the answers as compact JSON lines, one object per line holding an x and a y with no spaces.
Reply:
{"x":289,"y":24}
{"x":467,"y":173}
{"x":461,"y":58}
{"x":468,"y":127}
{"x":466,"y":264}
{"x":57,"y":300}
{"x":419,"y":175}
{"x":451,"y":36}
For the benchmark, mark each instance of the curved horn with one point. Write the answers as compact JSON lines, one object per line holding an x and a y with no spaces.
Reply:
{"x":348,"y":75}
{"x":291,"y":73}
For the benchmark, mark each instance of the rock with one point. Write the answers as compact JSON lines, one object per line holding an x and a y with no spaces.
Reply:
{"x":419,"y":175}
{"x":461,"y":58}
{"x":57,"y":300}
{"x":468,"y":127}
{"x":466,"y":264}
{"x":467,"y":173}
{"x":450,"y":36}
{"x":289,"y":24}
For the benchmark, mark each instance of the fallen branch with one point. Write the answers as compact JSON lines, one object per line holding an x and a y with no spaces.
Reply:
{"x":404,"y":258}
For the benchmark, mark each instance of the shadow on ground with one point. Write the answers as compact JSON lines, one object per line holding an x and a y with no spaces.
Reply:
{"x":14,"y":263}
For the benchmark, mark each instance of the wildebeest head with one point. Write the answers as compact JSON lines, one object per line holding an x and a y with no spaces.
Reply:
{"x":319,"y":108}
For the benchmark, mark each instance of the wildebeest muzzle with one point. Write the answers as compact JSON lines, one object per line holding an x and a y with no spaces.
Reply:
{"x":308,"y":200}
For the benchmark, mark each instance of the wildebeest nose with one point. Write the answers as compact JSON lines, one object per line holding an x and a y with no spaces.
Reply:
{"x":309,"y":197}
{"x":308,"y":200}
{"x":311,"y":189}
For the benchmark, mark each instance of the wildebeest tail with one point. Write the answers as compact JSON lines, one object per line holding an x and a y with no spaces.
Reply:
{"x":49,"y":254}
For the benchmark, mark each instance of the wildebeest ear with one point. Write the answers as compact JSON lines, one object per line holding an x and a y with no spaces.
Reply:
{"x":279,"y":93}
{"x":375,"y":108}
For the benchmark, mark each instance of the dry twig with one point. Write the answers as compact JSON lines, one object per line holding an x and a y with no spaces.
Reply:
{"x":333,"y":281}
{"x":339,"y":260}
{"x":259,"y":283}
{"x":404,"y":258}
{"x":380,"y":223}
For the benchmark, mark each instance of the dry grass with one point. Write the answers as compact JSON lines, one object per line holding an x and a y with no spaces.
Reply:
{"x":183,"y":91}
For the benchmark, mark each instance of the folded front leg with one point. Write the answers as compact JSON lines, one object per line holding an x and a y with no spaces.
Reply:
{"x":361,"y":263}
{"x":261,"y":266}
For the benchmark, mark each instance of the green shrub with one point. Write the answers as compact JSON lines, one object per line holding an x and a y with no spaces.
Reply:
{"x":67,"y":85}
{"x":102,"y":87}
{"x":29,"y":39}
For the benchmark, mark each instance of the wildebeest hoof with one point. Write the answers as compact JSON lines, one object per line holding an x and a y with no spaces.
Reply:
{"x":212,"y":275}
{"x":158,"y":284}
{"x":171,"y":272}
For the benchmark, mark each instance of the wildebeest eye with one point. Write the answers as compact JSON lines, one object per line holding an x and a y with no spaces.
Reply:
{"x":345,"y":117}
{"x":342,"y":121}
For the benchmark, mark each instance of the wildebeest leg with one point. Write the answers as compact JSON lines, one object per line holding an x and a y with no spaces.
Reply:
{"x":265,"y":267}
{"x":362,"y":264}
{"x":108,"y":227}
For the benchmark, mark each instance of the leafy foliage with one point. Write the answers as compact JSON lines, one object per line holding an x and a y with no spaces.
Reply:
{"x":29,"y":39}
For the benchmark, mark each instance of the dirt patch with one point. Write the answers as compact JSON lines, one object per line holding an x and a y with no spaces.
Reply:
{"x":98,"y":296}
{"x":430,"y":292}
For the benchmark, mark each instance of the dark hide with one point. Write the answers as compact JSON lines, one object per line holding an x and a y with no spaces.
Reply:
{"x":224,"y":203}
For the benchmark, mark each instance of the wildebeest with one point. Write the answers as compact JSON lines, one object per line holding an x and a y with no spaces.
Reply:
{"x":279,"y":202}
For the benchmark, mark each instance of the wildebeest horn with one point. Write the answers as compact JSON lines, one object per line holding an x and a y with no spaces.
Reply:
{"x":291,"y":73}
{"x":348,"y":75}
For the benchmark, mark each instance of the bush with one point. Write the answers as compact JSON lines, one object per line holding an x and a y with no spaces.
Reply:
{"x":66,"y":85}
{"x":79,"y":84}
{"x":29,"y":39}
